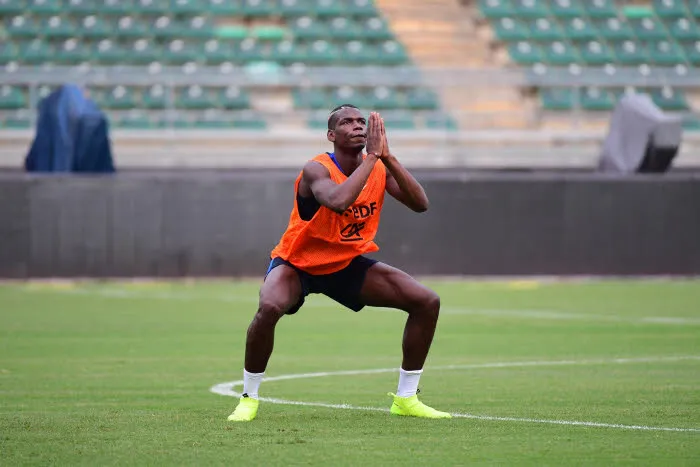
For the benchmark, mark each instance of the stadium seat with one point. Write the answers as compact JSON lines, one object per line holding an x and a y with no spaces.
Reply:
{"x":360,"y":8}
{"x":692,"y":52}
{"x":669,"y":99}
{"x":648,"y":28}
{"x":511,"y":29}
{"x":143,"y":51}
{"x":375,"y":28}
{"x":166,"y":27}
{"x":580,"y":29}
{"x":233,"y":32}
{"x":399,"y":121}
{"x":596,"y":53}
{"x":309,"y":28}
{"x":179,"y":51}
{"x":322,"y":52}
{"x":594,"y":98}
{"x":288,"y":52}
{"x":249,"y":120}
{"x":600,"y":8}
{"x":134,"y":119}
{"x":263,"y":33}
{"x":496,"y":8}
{"x":544,"y":29}
{"x":257,"y":8}
{"x":695,"y":8}
{"x":198,"y":27}
{"x":530,"y":8}
{"x":684,"y":29}
{"x":612,"y":29}
{"x":391,"y":53}
{"x":12,"y":7}
{"x":328,"y":7}
{"x":233,"y":97}
{"x":223,"y":7}
{"x":421,"y":99}
{"x":440,"y":121}
{"x":195,"y":97}
{"x":665,"y":53}
{"x":567,"y":8}
{"x":114,"y":7}
{"x":36,"y":51}
{"x":670,"y":8}
{"x":187,"y":7}
{"x":348,"y":95}
{"x":95,"y":27}
{"x":117,"y":97}
{"x":9,"y":52}
{"x":21,"y":26}
{"x":631,"y":53}
{"x":311,"y":98}
{"x":383,"y":98}
{"x":215,"y":51}
{"x":155,"y":97}
{"x":129,"y":27}
{"x":525,"y":53}
{"x":57,"y":27}
{"x":12,"y":97}
{"x":152,"y":7}
{"x":344,"y":29}
{"x":72,"y":51}
{"x":108,"y":52}
{"x":80,"y":7}
{"x":358,"y":53}
{"x":560,"y":53}
{"x":44,"y":7}
{"x":292,"y":8}
{"x":21,"y":119}
{"x":557,"y":98}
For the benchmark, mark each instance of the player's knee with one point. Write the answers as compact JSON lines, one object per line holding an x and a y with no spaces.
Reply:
{"x":430,"y":304}
{"x":270,"y":311}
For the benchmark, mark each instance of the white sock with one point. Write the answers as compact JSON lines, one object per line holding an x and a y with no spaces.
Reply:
{"x":251,"y":383}
{"x":408,"y":383}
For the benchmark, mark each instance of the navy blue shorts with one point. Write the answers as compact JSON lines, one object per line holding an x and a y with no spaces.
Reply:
{"x":342,"y":286}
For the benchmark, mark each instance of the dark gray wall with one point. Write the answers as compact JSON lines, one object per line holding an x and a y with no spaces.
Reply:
{"x":206,"y":224}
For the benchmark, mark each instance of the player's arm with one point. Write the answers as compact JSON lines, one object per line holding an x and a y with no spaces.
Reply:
{"x":337,"y":196}
{"x":400,"y":183}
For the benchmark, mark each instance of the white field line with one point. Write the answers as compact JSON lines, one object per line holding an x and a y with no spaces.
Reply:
{"x":227,"y":389}
{"x":250,"y":299}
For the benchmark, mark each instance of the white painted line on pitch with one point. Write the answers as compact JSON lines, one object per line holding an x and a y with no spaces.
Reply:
{"x":227,"y":389}
{"x":520,"y":314}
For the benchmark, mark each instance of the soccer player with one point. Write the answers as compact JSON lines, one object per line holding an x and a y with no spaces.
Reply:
{"x":337,"y":204}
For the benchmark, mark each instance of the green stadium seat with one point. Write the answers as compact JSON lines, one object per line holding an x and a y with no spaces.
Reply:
{"x":257,"y":8}
{"x":135,"y":120}
{"x":691,"y":123}
{"x":328,"y":8}
{"x":631,"y":53}
{"x":212,"y":118}
{"x":665,"y":53}
{"x":81,"y":7}
{"x":232,"y":31}
{"x":383,"y":98}
{"x":118,"y":97}
{"x":544,"y":29}
{"x":21,"y":26}
{"x":44,"y":91}
{"x":233,"y":97}
{"x":72,"y":51}
{"x":269,"y":33}
{"x":114,"y":7}
{"x":648,"y":28}
{"x":310,"y":98}
{"x":440,"y":121}
{"x":155,"y":97}
{"x":9,"y":52}
{"x":348,"y":95}
{"x":594,"y":98}
{"x":12,"y":7}
{"x":375,"y":28}
{"x":57,"y":27}
{"x":198,"y":27}
{"x":143,"y":51}
{"x":560,"y":53}
{"x":580,"y":29}
{"x":129,"y":27}
{"x":215,"y":51}
{"x":669,"y":99}
{"x":510,"y":29}
{"x":187,"y":7}
{"x":12,"y":97}
{"x":108,"y":52}
{"x":421,"y":99}
{"x":37,"y":51}
{"x":684,"y":29}
{"x":359,"y":53}
{"x":596,"y":53}
{"x":567,"y":8}
{"x":322,"y":52}
{"x":288,"y":52}
{"x":249,"y":50}
{"x":391,"y":53}
{"x":44,"y":7}
{"x":525,"y":53}
{"x":694,"y":6}
{"x":249,"y":120}
{"x":530,"y":8}
{"x":612,"y":29}
{"x":95,"y":27}
{"x":309,"y":28}
{"x":344,"y":29}
{"x":360,"y":8}
{"x":152,"y":7}
{"x":19,"y":120}
{"x":558,"y":98}
{"x":670,"y":8}
{"x":292,"y":8}
{"x":166,"y":27}
{"x":399,"y":121}
{"x":223,"y":7}
{"x":496,"y":8}
{"x":600,"y":8}
{"x":195,"y":97}
{"x":692,"y":52}
{"x":178,"y":51}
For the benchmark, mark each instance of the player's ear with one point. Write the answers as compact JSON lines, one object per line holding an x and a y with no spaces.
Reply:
{"x":331,"y":136}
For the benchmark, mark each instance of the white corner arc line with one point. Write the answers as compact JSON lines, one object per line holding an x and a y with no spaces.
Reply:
{"x":227,"y":389}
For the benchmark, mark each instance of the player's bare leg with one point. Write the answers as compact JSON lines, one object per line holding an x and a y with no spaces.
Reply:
{"x":389,"y":287}
{"x":280,"y":291}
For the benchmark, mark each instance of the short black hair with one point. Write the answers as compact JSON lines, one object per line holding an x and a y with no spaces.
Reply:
{"x":333,"y":119}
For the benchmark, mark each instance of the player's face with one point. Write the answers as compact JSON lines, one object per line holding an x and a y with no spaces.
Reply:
{"x":350,"y":129}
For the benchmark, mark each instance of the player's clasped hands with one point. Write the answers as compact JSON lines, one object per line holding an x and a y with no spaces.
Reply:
{"x":376,"y":135}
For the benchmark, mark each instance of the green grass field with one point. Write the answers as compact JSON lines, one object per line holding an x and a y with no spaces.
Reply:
{"x":121,"y":374}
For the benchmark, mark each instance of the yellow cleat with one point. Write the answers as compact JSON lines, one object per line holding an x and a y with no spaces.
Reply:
{"x":412,"y":407}
{"x":246,"y":410}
